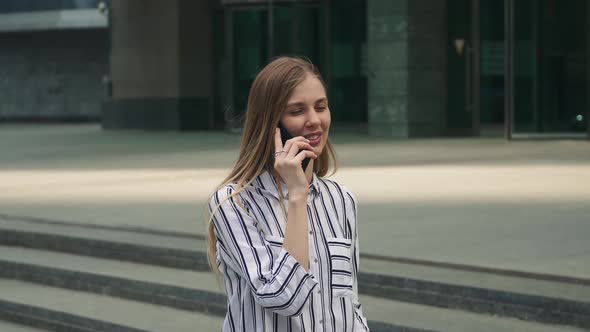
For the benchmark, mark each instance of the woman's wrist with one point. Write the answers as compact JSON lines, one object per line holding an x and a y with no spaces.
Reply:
{"x":298,"y":196}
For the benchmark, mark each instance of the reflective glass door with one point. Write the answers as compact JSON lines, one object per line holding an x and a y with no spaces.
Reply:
{"x":476,"y":72}
{"x":249,"y":55}
{"x":462,"y":51}
{"x":550,"y":68}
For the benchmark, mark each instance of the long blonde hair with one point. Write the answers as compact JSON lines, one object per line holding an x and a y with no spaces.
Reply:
{"x":268,"y":97}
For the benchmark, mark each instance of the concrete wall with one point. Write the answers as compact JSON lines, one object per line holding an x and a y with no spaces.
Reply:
{"x":53,"y":75}
{"x":406,"y":67}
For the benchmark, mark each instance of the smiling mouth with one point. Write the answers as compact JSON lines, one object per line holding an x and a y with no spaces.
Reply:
{"x":314,"y":139}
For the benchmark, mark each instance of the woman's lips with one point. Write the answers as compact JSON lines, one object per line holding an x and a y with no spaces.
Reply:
{"x":316,"y":141}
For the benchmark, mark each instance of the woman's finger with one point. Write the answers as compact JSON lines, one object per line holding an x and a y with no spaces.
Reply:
{"x":278,"y":142}
{"x":290,"y":142}
{"x":296,"y":147}
{"x":305,"y":154}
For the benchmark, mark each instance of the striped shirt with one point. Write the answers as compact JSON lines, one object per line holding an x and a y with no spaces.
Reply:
{"x":267,"y":289}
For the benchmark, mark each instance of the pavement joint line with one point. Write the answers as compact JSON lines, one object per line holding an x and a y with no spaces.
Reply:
{"x":394,"y":259}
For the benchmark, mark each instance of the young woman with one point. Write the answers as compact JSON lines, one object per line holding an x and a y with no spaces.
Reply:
{"x":285,"y":239}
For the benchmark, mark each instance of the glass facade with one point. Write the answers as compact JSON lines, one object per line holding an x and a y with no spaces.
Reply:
{"x":548,"y":79}
{"x":331,"y":34}
{"x":522,"y":70}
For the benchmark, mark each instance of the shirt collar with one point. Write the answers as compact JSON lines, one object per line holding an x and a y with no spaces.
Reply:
{"x":266,"y":182}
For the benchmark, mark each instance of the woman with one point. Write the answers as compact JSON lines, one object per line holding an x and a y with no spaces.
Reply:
{"x":284,"y":238}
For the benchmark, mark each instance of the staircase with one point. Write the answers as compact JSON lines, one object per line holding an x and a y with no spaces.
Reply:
{"x":66,"y":277}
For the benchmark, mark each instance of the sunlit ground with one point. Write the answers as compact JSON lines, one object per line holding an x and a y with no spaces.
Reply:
{"x":520,"y":205}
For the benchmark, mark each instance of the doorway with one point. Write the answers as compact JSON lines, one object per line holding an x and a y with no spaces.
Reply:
{"x":549,"y":68}
{"x":518,"y":69}
{"x":475,"y":71}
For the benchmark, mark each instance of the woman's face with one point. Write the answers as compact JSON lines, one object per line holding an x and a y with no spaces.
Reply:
{"x":307,"y":113}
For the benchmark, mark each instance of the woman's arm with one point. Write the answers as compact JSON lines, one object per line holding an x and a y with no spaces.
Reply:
{"x":280,"y":283}
{"x":296,"y":238}
{"x":288,"y":165}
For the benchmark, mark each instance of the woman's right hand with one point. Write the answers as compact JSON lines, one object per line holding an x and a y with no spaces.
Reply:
{"x":288,"y":160}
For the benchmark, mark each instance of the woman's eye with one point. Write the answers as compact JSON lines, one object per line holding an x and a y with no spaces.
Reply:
{"x":295,"y":112}
{"x":321,"y":108}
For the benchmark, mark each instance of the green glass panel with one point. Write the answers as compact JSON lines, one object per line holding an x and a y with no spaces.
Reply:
{"x":551,"y":66}
{"x":250,"y":54}
{"x":297,"y":31}
{"x":492,"y":63}
{"x":348,"y":90}
{"x":459,"y":120}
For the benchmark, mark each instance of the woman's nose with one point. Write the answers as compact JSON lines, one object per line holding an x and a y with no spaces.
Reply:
{"x":312,"y":118}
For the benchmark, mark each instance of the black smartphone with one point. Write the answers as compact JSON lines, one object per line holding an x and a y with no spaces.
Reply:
{"x":285,"y":135}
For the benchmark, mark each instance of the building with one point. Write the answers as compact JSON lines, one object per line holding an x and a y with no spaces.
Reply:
{"x":53,"y":60}
{"x":400,"y":68}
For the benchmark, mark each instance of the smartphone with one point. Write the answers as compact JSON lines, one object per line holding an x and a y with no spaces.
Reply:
{"x":285,"y":135}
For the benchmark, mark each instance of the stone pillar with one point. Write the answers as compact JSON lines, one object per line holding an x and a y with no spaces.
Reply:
{"x":587,"y":115}
{"x":406,"y":67}
{"x":161,"y":60}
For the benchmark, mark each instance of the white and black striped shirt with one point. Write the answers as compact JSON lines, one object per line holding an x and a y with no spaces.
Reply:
{"x":267,"y":289}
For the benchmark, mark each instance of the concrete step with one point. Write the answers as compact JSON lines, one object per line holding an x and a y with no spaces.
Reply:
{"x":177,"y":288}
{"x":59,"y":309}
{"x":177,"y":251}
{"x":55,"y":308}
{"x":430,"y":318}
{"x":529,"y":299}
{"x":9,"y":327}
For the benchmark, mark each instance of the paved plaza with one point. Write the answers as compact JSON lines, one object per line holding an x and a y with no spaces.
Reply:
{"x":519,"y":205}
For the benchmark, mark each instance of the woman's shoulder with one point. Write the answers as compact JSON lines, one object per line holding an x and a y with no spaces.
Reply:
{"x":334,"y":185}
{"x":231,"y":189}
{"x":222,"y":192}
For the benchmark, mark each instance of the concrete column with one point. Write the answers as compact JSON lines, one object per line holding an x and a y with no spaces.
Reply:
{"x":406,"y":67}
{"x":144,"y":58}
{"x":161,"y":60}
{"x":587,"y":115}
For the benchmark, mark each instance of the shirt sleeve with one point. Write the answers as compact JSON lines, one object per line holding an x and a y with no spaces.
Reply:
{"x":279,"y":284}
{"x":351,"y":215}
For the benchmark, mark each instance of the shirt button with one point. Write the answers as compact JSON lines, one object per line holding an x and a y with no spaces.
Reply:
{"x":321,"y":321}
{"x":310,"y":232}
{"x":315,"y":260}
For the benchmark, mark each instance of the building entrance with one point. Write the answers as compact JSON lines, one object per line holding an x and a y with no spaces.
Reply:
{"x":549,"y":68}
{"x":476,"y":72}
{"x":518,"y":69}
